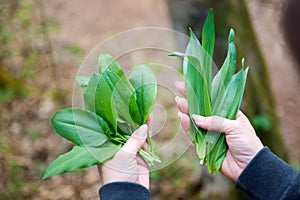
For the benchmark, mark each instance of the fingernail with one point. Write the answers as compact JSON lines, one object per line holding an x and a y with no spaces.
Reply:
{"x":198,"y":118}
{"x":179,"y":115}
{"x":177,"y":99}
{"x":142,"y":130}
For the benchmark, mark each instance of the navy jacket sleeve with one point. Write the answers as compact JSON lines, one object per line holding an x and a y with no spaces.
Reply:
{"x":268,"y":177}
{"x":124,"y":191}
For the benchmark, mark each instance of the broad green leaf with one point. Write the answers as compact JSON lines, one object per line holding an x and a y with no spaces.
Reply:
{"x":106,"y":61}
{"x":208,"y":42}
{"x":144,"y":83}
{"x":99,"y":99}
{"x":83,"y":82}
{"x":80,"y":157}
{"x":82,"y":127}
{"x":123,"y":92}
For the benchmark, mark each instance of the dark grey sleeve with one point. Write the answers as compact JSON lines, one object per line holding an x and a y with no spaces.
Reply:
{"x":269,"y":177}
{"x":124,"y":191}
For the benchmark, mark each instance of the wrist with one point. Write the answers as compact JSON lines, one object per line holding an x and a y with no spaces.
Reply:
{"x":254,"y":153}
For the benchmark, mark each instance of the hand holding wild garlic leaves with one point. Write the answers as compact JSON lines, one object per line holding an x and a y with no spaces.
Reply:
{"x":220,"y":96}
{"x":115,"y":106}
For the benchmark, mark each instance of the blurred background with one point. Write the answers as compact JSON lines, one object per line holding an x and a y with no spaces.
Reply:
{"x":43,"y":43}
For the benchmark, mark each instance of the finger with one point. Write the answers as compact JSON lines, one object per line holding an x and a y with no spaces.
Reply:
{"x":214,"y":123}
{"x":136,"y":140}
{"x":181,"y":88}
{"x":242,"y":117}
{"x":182,"y":104}
{"x":141,"y":162}
{"x":185,"y":121}
{"x":149,"y":123}
{"x":149,"y":120}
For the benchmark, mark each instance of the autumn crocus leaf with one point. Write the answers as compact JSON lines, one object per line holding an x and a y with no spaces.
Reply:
{"x":208,"y":42}
{"x":221,"y":96}
{"x":144,"y":83}
{"x":229,"y":107}
{"x":198,"y":100}
{"x":222,"y":78}
{"x":82,"y":127}
{"x":80,"y":157}
{"x":98,"y":98}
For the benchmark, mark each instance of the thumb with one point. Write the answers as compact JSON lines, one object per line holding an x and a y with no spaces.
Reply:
{"x":136,"y":140}
{"x":214,"y":123}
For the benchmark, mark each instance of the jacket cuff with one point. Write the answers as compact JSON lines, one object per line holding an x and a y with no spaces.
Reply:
{"x":266,"y":176}
{"x":124,"y":191}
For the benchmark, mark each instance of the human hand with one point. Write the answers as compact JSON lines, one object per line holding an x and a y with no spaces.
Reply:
{"x":126,"y":165}
{"x":240,"y":135}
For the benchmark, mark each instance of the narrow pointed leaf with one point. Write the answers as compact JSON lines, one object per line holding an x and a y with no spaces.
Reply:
{"x":82,"y":127}
{"x":193,"y":49}
{"x":228,"y":108}
{"x":221,"y":96}
{"x":198,"y":101}
{"x":225,"y":73}
{"x":208,"y":42}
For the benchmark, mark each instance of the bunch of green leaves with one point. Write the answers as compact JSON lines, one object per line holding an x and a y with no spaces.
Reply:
{"x":219,"y":96}
{"x":115,"y":106}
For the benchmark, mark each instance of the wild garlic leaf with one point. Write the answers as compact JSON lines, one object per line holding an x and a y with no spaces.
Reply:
{"x":83,"y":82}
{"x":82,"y":127}
{"x":144,"y":83}
{"x":106,"y":61}
{"x":208,"y":42}
{"x":122,"y":91}
{"x":99,"y":99}
{"x":80,"y":157}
